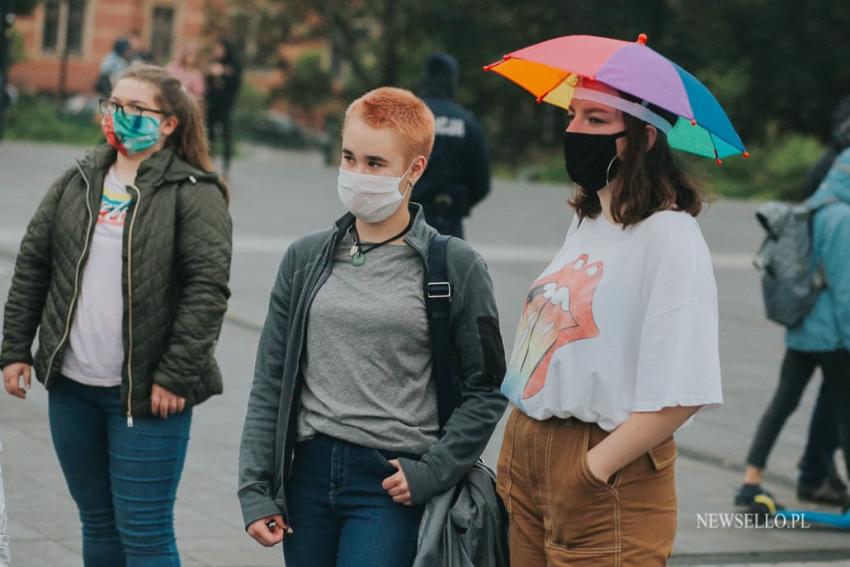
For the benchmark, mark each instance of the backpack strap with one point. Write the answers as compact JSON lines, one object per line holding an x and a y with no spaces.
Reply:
{"x":816,"y":204}
{"x":438,"y":302}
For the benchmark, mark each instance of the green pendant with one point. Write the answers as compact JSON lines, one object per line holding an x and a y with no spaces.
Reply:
{"x":358,"y":259}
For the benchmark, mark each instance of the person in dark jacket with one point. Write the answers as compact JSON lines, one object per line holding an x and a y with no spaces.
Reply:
{"x":223,"y":78}
{"x":342,"y":443}
{"x":458,"y":174}
{"x":123,"y":271}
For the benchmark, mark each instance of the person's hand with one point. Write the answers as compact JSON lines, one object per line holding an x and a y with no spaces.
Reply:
{"x":269,"y":531}
{"x":396,"y":486}
{"x":596,"y":469}
{"x":217,"y":69}
{"x":164,"y":402}
{"x":12,"y":375}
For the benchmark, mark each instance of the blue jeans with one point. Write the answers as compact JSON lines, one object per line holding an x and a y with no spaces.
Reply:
{"x":123,"y":479}
{"x":340,"y":514}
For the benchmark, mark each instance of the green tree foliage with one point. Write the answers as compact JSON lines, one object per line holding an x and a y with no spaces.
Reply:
{"x":308,"y":84}
{"x":768,"y":61}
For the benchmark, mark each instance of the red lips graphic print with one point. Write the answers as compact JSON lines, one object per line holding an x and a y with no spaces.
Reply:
{"x":558,"y":311}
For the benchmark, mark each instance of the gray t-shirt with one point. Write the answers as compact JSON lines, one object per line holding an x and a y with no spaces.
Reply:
{"x":367,"y":369}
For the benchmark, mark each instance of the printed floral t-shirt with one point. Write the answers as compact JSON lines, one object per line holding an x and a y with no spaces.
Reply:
{"x":95,"y":352}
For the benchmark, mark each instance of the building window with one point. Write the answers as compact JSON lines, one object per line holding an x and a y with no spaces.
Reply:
{"x":64,"y":22}
{"x":74,"y":28}
{"x":162,"y":37}
{"x":50,"y":30}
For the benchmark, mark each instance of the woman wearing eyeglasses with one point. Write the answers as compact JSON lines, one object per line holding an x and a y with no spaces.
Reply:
{"x":123,"y":271}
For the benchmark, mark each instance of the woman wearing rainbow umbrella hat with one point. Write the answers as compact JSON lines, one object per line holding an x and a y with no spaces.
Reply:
{"x":617,"y":345}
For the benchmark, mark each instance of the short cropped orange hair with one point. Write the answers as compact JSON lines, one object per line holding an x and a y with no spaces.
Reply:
{"x":401,"y":110}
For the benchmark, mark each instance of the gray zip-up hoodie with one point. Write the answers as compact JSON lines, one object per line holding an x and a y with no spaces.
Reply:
{"x":268,"y":436}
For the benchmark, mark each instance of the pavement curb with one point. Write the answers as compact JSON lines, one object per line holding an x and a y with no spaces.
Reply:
{"x":760,"y":557}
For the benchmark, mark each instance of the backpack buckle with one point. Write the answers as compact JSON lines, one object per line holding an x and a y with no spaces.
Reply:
{"x":439,"y":290}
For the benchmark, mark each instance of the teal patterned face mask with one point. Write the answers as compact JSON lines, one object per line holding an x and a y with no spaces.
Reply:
{"x":131,"y":134}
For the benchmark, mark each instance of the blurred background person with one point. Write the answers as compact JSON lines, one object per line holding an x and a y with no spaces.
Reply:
{"x":819,"y":479}
{"x":223,"y":79}
{"x":113,"y":65}
{"x":139,"y":53}
{"x":822,"y":341}
{"x":185,"y":67}
{"x":458,"y":176}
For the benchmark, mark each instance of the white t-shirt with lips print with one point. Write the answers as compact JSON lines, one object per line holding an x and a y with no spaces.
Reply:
{"x":621,"y":321}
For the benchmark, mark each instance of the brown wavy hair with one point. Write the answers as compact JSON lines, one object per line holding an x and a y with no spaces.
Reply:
{"x":189,"y":138}
{"x":644,"y":181}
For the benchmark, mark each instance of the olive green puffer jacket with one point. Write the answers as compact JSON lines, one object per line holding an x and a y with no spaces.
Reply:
{"x":176,"y":267}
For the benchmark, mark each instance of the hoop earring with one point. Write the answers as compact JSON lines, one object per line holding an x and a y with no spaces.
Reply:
{"x":608,"y":169}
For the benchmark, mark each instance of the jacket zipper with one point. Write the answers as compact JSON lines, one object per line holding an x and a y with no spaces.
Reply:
{"x":75,"y":295}
{"x":130,"y":305}
{"x":326,"y":273}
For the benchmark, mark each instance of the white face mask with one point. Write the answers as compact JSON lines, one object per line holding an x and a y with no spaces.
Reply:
{"x":370,"y":198}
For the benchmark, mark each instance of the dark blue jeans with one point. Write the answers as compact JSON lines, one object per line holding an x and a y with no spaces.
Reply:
{"x":123,"y":479}
{"x":340,"y":514}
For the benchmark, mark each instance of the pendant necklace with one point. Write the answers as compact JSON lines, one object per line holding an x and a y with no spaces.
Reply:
{"x":358,"y":252}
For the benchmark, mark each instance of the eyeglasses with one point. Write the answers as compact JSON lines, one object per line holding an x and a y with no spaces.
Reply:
{"x":109,"y":106}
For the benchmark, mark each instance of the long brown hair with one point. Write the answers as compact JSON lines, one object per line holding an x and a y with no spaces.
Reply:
{"x":189,"y":138}
{"x":644,"y":181}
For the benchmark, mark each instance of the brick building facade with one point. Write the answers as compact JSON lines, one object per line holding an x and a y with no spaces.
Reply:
{"x":85,"y":30}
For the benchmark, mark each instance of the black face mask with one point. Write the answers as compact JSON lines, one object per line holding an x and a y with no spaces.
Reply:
{"x":590,"y":158}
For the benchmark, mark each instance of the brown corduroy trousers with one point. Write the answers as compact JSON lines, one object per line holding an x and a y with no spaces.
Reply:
{"x":561,"y":515}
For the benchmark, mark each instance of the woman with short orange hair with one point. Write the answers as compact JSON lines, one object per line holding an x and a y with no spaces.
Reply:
{"x":344,"y":440}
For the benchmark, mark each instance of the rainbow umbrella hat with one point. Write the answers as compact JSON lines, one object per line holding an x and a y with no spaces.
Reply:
{"x":554,"y":71}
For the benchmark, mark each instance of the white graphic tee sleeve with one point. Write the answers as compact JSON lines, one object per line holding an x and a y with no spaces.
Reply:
{"x":678,"y":356}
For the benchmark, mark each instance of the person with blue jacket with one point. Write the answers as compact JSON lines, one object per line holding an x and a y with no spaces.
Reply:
{"x":819,"y":480}
{"x":823,"y":337}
